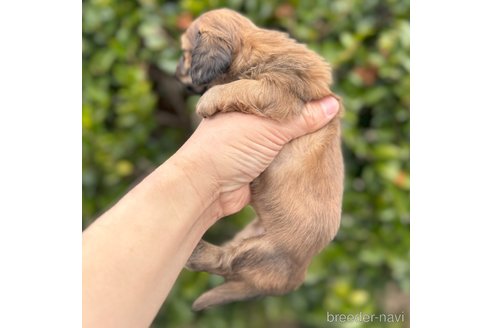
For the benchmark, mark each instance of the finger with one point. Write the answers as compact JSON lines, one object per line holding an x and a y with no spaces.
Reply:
{"x":314,"y":116}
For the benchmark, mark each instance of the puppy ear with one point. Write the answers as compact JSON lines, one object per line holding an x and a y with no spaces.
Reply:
{"x":211,"y":57}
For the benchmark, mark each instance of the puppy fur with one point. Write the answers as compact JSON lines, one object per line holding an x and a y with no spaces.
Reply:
{"x":298,"y":198}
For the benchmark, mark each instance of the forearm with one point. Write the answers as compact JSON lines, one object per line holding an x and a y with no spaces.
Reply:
{"x":134,"y":252}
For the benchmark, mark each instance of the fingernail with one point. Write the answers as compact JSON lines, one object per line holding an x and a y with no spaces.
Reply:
{"x":330,"y":106}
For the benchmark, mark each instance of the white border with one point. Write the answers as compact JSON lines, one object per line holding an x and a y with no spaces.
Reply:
{"x":450,"y":163}
{"x":40,"y":165}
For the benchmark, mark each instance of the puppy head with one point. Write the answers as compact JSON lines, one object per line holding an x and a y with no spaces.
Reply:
{"x":209,"y":46}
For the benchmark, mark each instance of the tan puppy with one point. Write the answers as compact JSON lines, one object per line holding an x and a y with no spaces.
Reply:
{"x":298,"y":198}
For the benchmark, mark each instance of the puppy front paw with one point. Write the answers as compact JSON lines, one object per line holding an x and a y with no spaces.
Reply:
{"x":206,"y":109}
{"x":209,"y":103}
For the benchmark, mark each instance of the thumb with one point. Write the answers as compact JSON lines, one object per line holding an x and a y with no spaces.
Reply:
{"x":314,"y":116}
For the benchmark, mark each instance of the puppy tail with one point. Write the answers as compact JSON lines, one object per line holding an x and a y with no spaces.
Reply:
{"x":228,"y":292}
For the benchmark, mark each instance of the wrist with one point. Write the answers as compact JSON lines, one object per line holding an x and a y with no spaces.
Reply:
{"x":196,"y":185}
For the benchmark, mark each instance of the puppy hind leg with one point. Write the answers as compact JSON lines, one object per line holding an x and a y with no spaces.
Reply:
{"x":206,"y":257}
{"x":217,"y":260}
{"x":228,"y":292}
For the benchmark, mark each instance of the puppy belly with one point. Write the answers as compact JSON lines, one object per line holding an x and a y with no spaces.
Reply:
{"x":298,"y":198}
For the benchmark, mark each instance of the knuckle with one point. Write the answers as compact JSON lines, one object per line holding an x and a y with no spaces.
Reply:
{"x":309,"y":118}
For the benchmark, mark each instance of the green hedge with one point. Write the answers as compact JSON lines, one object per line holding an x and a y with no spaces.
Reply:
{"x":135,"y":115}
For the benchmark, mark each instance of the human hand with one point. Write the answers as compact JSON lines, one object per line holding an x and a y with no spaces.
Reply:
{"x":231,"y":149}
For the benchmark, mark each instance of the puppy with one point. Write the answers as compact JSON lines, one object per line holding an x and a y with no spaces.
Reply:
{"x":298,"y":198}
